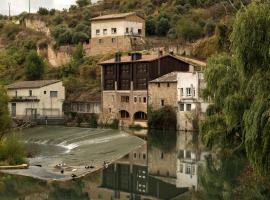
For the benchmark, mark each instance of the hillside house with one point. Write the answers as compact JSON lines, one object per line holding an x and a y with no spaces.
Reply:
{"x":36,"y":99}
{"x":125,"y":84}
{"x":116,"y":32}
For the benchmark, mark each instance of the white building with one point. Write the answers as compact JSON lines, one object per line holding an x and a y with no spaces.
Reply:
{"x":36,"y":99}
{"x":116,"y":32}
{"x":191,"y":105}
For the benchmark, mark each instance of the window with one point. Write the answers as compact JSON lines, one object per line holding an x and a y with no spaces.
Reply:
{"x":182,"y":107}
{"x":139,"y":31}
{"x":131,"y":30}
{"x":124,"y":114}
{"x":144,"y":156}
{"x":105,"y":31}
{"x":162,"y":155}
{"x":97,"y":32}
{"x":134,"y":155}
{"x":16,"y":93}
{"x":181,"y":92}
{"x":113,"y":40}
{"x":162,"y":102}
{"x":168,"y":84}
{"x":100,"y":41}
{"x":30,"y":93}
{"x":53,"y":93}
{"x":114,"y":30}
{"x":188,"y":90}
{"x":110,"y":110}
{"x":181,"y":168}
{"x":158,"y":84}
{"x":188,"y":154}
{"x":144,"y":99}
{"x":188,"y":169}
{"x":125,"y":99}
{"x":135,"y":99}
{"x":45,"y":92}
{"x":181,"y":154}
{"x":188,"y":107}
{"x":127,"y":30}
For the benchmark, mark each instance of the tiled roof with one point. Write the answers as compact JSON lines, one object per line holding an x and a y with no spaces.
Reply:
{"x":128,"y":59}
{"x":31,"y":84}
{"x":167,"y":78}
{"x":114,"y":16}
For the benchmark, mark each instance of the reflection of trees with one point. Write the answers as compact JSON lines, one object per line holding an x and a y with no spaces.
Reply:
{"x":219,"y":178}
{"x":164,"y":140}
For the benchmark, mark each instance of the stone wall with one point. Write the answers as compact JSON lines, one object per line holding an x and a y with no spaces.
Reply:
{"x":112,"y":105}
{"x":165,"y":92}
{"x":107,"y":45}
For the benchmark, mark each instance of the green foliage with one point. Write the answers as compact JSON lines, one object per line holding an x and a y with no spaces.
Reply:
{"x":162,"y":119}
{"x":162,"y":26}
{"x":34,"y":66}
{"x":43,"y":11}
{"x":5,"y":121}
{"x":150,"y":26}
{"x":79,"y":37}
{"x":82,"y":3}
{"x":188,"y":30}
{"x":58,"y":19}
{"x":12,"y":151}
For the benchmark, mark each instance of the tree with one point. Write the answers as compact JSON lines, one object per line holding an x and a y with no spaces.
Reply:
{"x":58,"y":20}
{"x":188,"y":30}
{"x":34,"y":66}
{"x":163,"y":26}
{"x":5,"y":121}
{"x":79,"y":37}
{"x":83,"y":3}
{"x":150,"y":25}
{"x":43,"y":11}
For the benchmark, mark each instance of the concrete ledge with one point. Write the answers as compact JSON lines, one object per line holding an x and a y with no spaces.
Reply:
{"x":23,"y":166}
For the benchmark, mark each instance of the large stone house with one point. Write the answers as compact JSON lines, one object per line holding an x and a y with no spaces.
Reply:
{"x":116,"y":32}
{"x":36,"y":99}
{"x":181,"y":91}
{"x":125,"y":84}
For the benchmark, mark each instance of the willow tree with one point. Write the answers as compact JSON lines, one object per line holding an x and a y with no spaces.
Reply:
{"x":5,"y":121}
{"x":239,"y":88}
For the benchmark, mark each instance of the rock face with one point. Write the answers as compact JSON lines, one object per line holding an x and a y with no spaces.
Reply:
{"x":57,"y":57}
{"x":38,"y":25}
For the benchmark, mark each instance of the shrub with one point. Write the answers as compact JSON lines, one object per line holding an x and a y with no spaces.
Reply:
{"x":93,"y":121}
{"x":82,"y":3}
{"x":52,"y":12}
{"x":162,"y":119}
{"x":12,"y":151}
{"x":150,"y":25}
{"x":43,"y":11}
{"x":79,"y":37}
{"x":58,"y":20}
{"x":163,"y":26}
{"x":34,"y":66}
{"x":188,"y":30}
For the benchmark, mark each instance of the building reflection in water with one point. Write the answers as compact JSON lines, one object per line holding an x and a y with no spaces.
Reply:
{"x":164,"y":168}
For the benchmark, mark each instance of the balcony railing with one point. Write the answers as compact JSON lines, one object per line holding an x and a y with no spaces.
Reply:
{"x":24,"y":99}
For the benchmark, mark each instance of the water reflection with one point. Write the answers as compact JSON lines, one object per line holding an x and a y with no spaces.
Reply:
{"x":166,"y":167}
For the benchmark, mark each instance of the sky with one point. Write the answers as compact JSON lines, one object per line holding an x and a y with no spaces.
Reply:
{"x":18,"y":6}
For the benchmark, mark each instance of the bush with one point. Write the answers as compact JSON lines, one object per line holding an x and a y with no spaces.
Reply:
{"x":43,"y":11}
{"x":58,"y":20}
{"x":12,"y":151}
{"x":163,"y":26}
{"x":52,"y":12}
{"x":34,"y":66}
{"x":93,"y":121}
{"x":162,"y":119}
{"x":79,"y":37}
{"x":150,"y":26}
{"x":82,"y":3}
{"x":188,"y":30}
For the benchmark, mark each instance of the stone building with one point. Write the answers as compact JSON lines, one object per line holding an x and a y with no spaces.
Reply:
{"x":180,"y":90}
{"x":116,"y":32}
{"x":36,"y":99}
{"x":125,"y":84}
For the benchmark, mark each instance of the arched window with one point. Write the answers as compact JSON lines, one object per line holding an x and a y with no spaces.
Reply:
{"x":140,"y":116}
{"x":124,"y":114}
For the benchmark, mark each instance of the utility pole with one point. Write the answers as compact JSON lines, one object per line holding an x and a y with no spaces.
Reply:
{"x":29,"y":6}
{"x":9,"y":4}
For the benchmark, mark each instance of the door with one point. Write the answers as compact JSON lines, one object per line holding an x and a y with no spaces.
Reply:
{"x":13,"y":109}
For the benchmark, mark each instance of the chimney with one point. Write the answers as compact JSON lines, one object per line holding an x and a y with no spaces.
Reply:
{"x":118,"y":57}
{"x":160,"y":53}
{"x":136,"y":56}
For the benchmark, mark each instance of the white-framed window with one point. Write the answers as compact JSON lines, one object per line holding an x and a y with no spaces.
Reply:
{"x":188,"y":92}
{"x":182,"y":107}
{"x":114,"y":31}
{"x":139,"y":31}
{"x":30,"y":93}
{"x":188,"y":169}
{"x":97,"y":32}
{"x":188,"y":107}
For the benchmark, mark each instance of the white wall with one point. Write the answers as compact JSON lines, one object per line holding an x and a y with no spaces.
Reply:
{"x":120,"y":25}
{"x":46,"y":106}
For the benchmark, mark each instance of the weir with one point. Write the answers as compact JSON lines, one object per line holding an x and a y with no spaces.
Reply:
{"x":71,"y":149}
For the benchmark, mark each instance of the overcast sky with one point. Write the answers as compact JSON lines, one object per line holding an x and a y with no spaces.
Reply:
{"x":18,"y":6}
